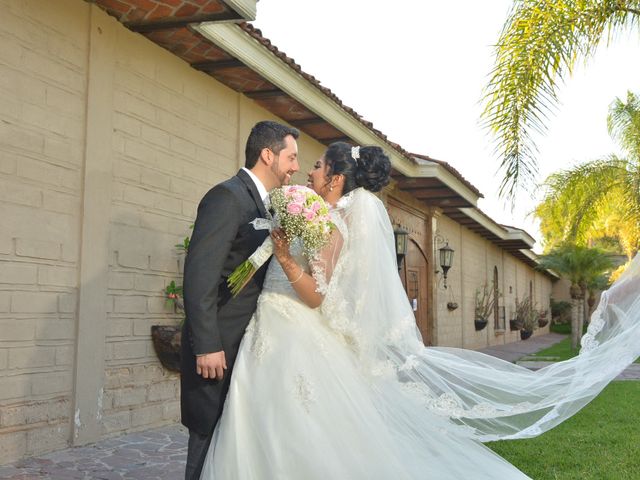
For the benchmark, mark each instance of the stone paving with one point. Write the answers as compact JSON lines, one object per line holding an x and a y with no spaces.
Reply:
{"x":160,"y":454}
{"x":513,"y":352}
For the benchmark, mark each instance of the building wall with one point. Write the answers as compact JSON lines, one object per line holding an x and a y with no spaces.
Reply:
{"x":177,"y":132}
{"x":107,"y":143}
{"x":474,"y":262}
{"x":43,"y":68}
{"x":72,"y":81}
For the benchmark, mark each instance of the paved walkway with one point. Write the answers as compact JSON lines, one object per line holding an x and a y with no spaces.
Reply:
{"x":160,"y":454}
{"x":513,"y":352}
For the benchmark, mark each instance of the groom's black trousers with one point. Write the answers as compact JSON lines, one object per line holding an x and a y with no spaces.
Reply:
{"x":199,"y":443}
{"x":198,"y":447}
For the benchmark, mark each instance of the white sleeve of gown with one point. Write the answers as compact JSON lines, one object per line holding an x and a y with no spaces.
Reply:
{"x":324,"y":262}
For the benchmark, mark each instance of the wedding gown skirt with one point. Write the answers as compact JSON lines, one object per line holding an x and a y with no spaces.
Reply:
{"x":301,"y":408}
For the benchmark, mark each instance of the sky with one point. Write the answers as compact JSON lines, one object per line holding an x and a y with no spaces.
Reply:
{"x":417,"y":68}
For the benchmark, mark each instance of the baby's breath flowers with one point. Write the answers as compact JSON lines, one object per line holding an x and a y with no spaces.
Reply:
{"x":300,"y":213}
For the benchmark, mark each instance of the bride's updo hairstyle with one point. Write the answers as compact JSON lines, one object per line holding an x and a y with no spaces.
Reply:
{"x":369,"y":167}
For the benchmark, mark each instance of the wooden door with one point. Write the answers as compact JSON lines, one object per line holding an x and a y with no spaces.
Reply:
{"x":415,"y":272}
{"x":415,"y":282}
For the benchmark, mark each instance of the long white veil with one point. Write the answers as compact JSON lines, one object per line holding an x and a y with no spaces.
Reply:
{"x":489,"y":398}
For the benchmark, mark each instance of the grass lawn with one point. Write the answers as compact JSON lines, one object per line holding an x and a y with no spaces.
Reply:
{"x":560,"y":351}
{"x":560,"y":328}
{"x":601,"y":442}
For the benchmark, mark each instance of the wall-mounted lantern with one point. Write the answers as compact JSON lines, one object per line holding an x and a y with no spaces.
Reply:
{"x":402,"y":244}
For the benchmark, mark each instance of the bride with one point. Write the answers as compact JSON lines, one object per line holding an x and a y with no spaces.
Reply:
{"x":332,"y":380}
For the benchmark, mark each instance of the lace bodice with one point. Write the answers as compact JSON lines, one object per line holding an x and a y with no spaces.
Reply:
{"x":276,"y":280}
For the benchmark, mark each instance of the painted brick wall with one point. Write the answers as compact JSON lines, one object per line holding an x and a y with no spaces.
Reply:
{"x":43,"y":63}
{"x":177,"y":132}
{"x":474,"y":263}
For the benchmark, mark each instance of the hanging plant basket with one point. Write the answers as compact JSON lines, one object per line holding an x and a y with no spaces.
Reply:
{"x":480,"y":323}
{"x":525,"y":334}
{"x":542,"y":322}
{"x":166,"y":342}
{"x":515,"y":325}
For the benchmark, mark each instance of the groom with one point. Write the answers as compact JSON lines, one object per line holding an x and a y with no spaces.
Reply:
{"x":222,"y":239}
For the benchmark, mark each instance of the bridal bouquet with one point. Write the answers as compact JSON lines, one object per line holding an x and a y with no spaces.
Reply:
{"x":300,"y":213}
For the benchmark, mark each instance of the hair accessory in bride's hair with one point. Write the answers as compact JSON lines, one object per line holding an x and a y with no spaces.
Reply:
{"x":355,"y":153}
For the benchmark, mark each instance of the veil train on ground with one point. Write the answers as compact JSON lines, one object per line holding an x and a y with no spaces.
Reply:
{"x":493,"y":399}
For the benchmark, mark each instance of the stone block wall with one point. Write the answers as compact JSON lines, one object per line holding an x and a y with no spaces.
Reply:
{"x":474,"y":263}
{"x":101,"y":131}
{"x":43,"y":62}
{"x":107,"y":144}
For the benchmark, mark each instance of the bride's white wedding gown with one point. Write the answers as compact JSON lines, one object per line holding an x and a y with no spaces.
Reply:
{"x":341,"y":393}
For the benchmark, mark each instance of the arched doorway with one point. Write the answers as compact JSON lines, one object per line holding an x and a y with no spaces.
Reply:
{"x":414,"y":274}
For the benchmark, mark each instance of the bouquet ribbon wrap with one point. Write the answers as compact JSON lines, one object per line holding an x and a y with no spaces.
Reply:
{"x":264,"y":251}
{"x":247,"y":269}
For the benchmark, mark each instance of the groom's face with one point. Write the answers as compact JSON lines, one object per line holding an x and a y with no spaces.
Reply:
{"x":285,"y":163}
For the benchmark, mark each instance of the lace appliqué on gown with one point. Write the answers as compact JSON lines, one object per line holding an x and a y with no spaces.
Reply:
{"x":448,"y":405}
{"x":260,"y":341}
{"x":304,"y":391}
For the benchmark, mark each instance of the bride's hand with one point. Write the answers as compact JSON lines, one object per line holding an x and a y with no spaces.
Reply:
{"x":280,"y":245}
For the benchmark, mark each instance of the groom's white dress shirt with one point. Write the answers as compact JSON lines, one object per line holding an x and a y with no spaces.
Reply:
{"x":264,"y":195}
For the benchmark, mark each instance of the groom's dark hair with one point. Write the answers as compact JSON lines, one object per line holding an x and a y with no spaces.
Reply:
{"x":266,"y":134}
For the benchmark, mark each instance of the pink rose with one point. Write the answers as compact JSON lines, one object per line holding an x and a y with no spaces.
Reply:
{"x":308,"y":214}
{"x":294,"y":208}
{"x":316,"y":206}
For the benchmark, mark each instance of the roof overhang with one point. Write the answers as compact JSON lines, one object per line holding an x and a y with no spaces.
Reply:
{"x":211,"y":40}
{"x":532,"y":259}
{"x":253,"y":54}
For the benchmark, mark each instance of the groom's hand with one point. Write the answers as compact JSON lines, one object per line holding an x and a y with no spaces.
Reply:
{"x":211,"y":365}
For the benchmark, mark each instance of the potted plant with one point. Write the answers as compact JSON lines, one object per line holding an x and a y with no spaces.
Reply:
{"x":515,"y":324}
{"x":527,"y":316}
{"x":543,"y":321}
{"x":167,"y":339}
{"x":485,"y":304}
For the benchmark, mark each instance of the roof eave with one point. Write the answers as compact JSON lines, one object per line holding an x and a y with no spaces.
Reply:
{"x":236,"y":42}
{"x":246,"y":8}
{"x":435,"y":170}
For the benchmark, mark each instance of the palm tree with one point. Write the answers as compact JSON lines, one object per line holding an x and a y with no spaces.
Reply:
{"x":580,"y":265}
{"x":601,"y":198}
{"x":595,"y":284}
{"x":540,"y":43}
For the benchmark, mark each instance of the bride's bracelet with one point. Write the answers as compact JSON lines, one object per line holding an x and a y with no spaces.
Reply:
{"x":299,"y":276}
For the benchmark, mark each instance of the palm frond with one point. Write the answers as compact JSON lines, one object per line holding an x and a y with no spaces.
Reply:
{"x":539,"y":45}
{"x":573,"y":199}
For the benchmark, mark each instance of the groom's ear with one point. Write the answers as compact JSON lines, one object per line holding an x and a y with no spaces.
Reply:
{"x":266,"y":156}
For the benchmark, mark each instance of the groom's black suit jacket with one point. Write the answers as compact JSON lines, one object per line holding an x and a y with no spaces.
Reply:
{"x":222,"y":239}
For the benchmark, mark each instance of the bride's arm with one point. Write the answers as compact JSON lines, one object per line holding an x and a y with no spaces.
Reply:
{"x":304,"y":284}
